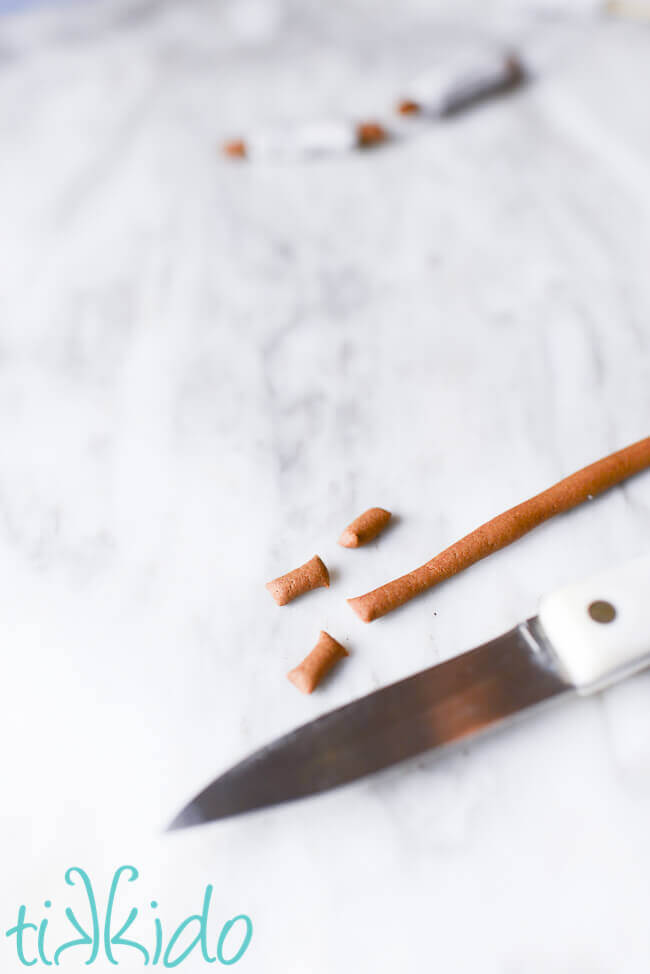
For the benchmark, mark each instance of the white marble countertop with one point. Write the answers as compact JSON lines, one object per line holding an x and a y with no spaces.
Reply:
{"x":207,"y":369}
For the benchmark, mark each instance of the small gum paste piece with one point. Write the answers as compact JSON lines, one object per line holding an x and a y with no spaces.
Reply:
{"x":325,"y":654}
{"x":408,"y":107}
{"x":370,"y":133}
{"x":313,"y":574}
{"x":235,"y":149}
{"x":365,"y":528}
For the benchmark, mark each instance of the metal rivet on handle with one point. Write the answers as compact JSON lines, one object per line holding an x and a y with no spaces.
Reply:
{"x":601,"y":611}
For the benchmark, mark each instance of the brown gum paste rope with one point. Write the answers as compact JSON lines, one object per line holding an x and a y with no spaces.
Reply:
{"x":365,"y":528}
{"x":313,"y":574}
{"x":506,"y":528}
{"x":325,"y":654}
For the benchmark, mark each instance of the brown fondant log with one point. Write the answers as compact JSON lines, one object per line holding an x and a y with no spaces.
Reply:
{"x":313,"y":574}
{"x":506,"y":528}
{"x":365,"y":527}
{"x":325,"y":654}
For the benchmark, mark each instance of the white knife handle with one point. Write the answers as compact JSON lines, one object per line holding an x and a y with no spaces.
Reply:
{"x":600,"y":628}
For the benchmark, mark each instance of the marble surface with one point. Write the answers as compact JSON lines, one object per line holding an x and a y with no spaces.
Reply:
{"x":206,"y":370}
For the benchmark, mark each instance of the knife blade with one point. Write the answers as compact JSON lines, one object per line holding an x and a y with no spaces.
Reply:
{"x":586,"y":636}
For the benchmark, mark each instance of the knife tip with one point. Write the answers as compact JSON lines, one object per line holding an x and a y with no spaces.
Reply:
{"x":186,"y":818}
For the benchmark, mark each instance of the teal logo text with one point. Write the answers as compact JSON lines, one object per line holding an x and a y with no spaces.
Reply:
{"x":122,"y":933}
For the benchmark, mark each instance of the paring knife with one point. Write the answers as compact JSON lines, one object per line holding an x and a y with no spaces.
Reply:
{"x":585,"y":637}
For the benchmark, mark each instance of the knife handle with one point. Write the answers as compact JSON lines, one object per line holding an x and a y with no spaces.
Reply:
{"x":600,"y":628}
